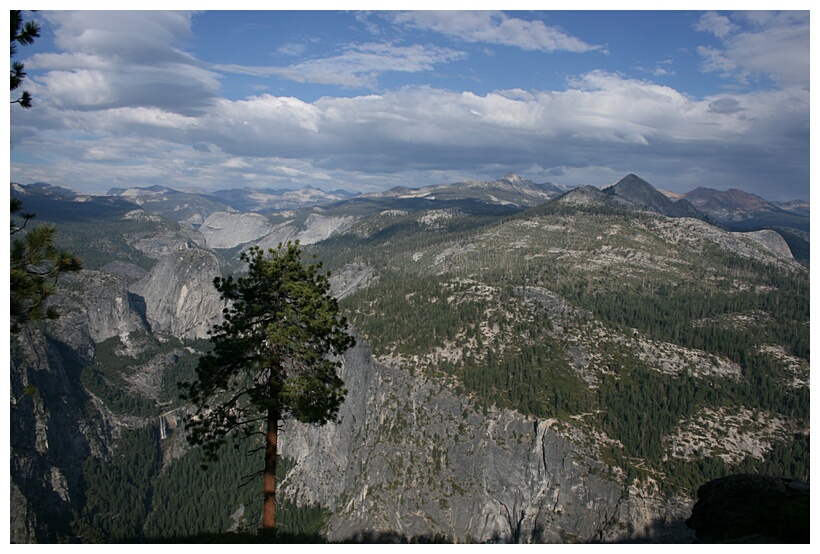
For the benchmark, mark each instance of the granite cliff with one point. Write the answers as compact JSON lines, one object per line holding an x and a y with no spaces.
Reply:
{"x":412,"y":459}
{"x":179,"y":295}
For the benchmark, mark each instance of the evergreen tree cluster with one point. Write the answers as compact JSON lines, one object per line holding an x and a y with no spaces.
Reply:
{"x":133,"y":497}
{"x":432,"y":296}
{"x":118,"y":491}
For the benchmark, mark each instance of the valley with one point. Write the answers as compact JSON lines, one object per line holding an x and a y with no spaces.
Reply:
{"x":535,"y":364}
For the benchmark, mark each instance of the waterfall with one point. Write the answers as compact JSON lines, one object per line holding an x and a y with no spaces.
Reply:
{"x":163,"y":431}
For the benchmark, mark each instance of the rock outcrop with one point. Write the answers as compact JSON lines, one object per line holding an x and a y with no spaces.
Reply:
{"x":179,"y":295}
{"x":95,"y":306}
{"x":319,"y":227}
{"x":352,"y":278}
{"x":772,"y":241}
{"x":747,"y":508}
{"x":51,"y":433}
{"x":315,"y":228}
{"x":228,"y":229}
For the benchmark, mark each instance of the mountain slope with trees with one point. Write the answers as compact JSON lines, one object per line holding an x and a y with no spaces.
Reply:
{"x":568,"y":372}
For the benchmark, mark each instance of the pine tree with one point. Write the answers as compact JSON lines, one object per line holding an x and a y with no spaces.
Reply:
{"x":21,"y":33}
{"x":36,"y":264}
{"x":275,"y":356}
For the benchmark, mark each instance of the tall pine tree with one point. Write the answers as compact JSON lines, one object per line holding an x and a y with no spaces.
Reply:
{"x":275,"y":356}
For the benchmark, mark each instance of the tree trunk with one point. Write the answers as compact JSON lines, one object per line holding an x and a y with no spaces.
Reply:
{"x":271,"y":444}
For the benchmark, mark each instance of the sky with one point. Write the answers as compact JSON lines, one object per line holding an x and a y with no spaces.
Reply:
{"x":369,"y":100}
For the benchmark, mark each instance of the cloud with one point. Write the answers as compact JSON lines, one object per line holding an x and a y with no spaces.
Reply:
{"x":159,"y":118}
{"x":660,"y":69}
{"x":363,"y":17}
{"x":716,"y":24}
{"x":358,"y":66}
{"x":495,"y":27}
{"x":725,"y":105}
{"x":292,"y":49}
{"x":122,"y":59}
{"x":601,"y":120}
{"x":140,"y":37}
{"x":236,"y":163}
{"x":758,"y":44}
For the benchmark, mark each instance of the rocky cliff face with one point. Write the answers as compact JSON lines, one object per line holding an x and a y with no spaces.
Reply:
{"x":50,"y":437}
{"x":96,"y":305}
{"x":55,"y":422}
{"x":772,"y":241}
{"x":412,"y":459}
{"x":179,"y":295}
{"x":227,"y":229}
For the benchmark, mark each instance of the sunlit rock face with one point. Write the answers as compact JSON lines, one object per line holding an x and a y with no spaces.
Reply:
{"x":179,"y":295}
{"x":226,"y":229}
{"x":411,"y":459}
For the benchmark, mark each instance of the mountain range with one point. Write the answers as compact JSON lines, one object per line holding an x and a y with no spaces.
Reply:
{"x":534,"y":363}
{"x":742,"y":210}
{"x":734,"y":208}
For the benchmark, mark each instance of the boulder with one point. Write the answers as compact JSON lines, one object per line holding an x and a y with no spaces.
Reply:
{"x":746,"y":508}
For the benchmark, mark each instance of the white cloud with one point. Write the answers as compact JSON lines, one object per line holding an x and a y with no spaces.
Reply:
{"x":718,"y":25}
{"x":292,"y":49}
{"x":754,"y":44}
{"x":101,"y":123}
{"x":495,"y":27}
{"x":235,"y":163}
{"x":602,"y":120}
{"x":132,"y":37}
{"x":358,"y":66}
{"x":122,"y":59}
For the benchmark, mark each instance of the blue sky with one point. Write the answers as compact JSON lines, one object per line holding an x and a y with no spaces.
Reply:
{"x":367,"y":100}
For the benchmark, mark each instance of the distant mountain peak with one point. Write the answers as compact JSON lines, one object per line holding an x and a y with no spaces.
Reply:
{"x":153,"y":190}
{"x":737,"y":207}
{"x":640,"y":192}
{"x":637,"y":190}
{"x":632,"y":182}
{"x":513,"y":178}
{"x":40,"y":188}
{"x":732,"y":199}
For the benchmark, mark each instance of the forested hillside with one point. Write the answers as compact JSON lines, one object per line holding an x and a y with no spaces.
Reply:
{"x":634,"y":325}
{"x":570,"y":372}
